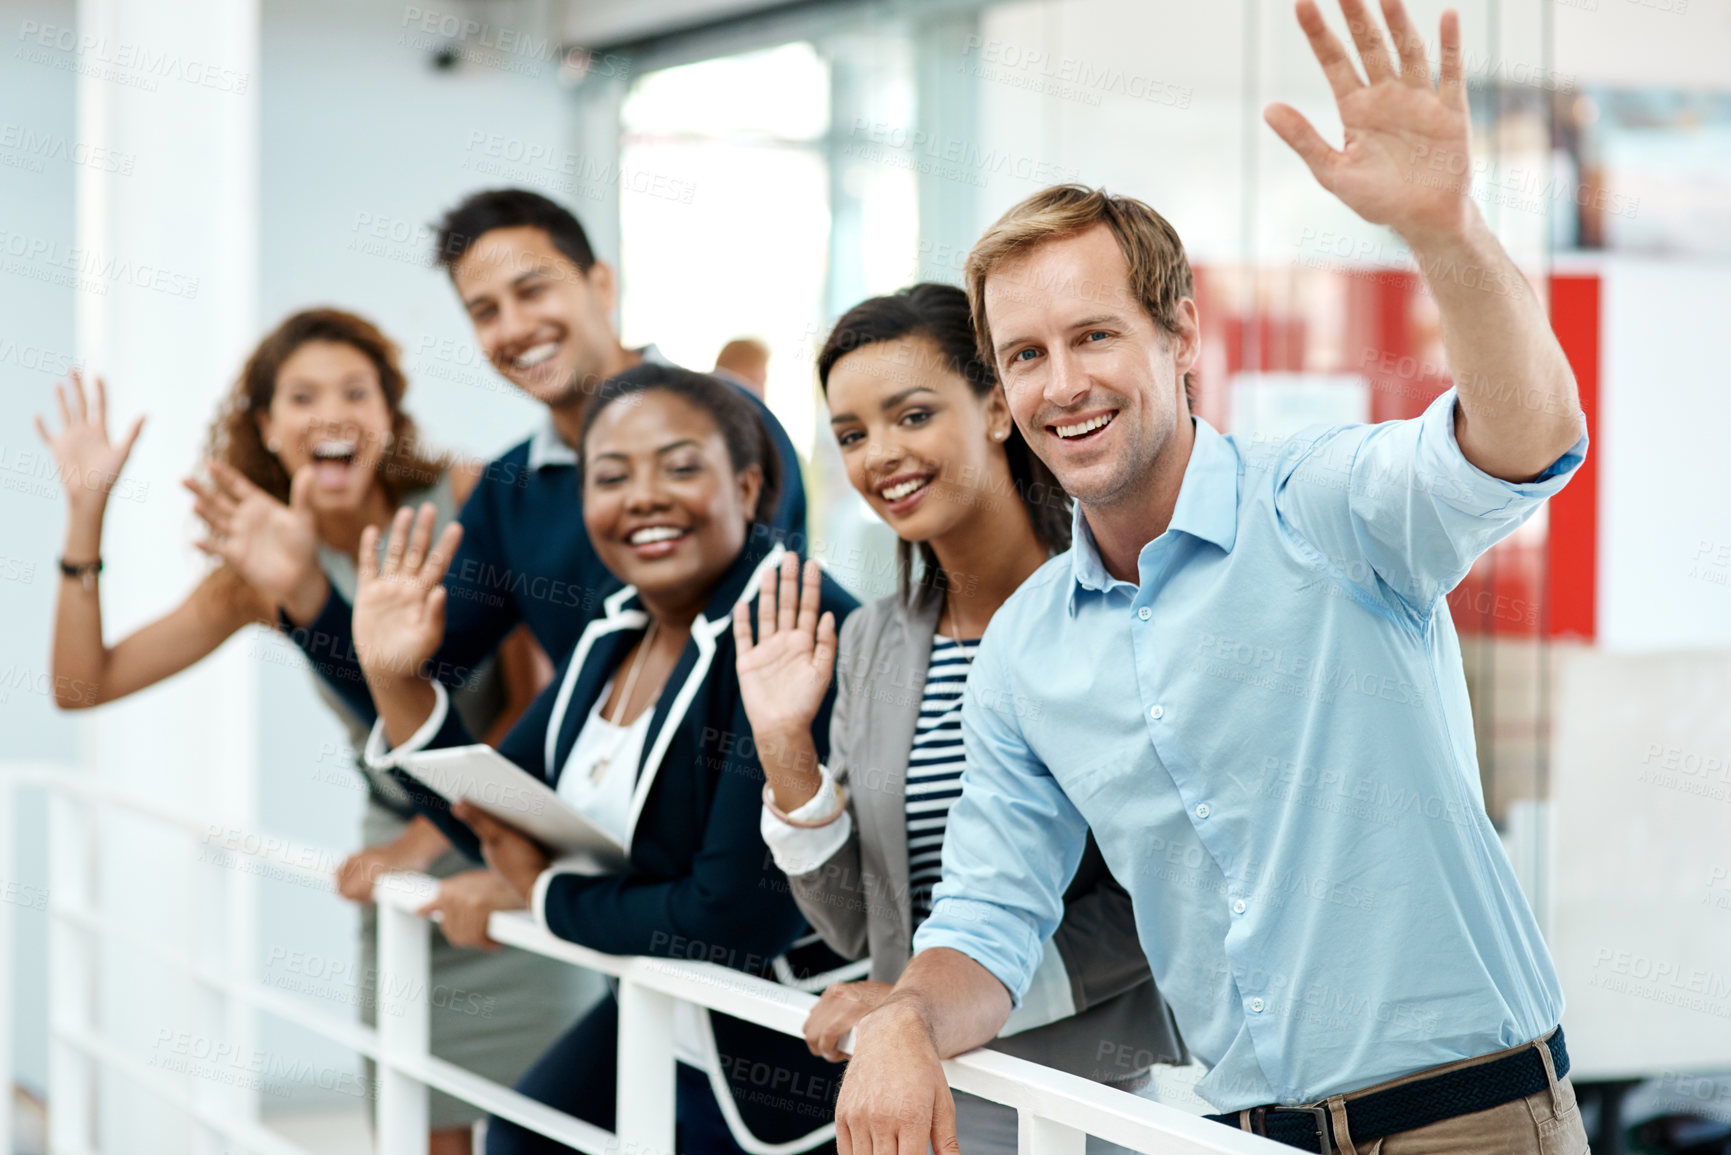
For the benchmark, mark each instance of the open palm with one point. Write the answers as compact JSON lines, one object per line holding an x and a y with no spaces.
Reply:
{"x":87,"y":461}
{"x":399,"y":612}
{"x":784,"y":675}
{"x":1404,"y":162}
{"x":272,"y":546}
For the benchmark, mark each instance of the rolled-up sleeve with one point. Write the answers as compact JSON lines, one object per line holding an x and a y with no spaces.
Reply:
{"x":1012,"y":842}
{"x":1398,"y":507}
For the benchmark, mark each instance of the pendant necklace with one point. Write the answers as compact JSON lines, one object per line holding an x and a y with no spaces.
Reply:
{"x":620,"y":736}
{"x":958,"y":631}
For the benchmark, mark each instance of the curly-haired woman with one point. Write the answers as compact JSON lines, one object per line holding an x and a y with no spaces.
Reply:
{"x":313,"y":446}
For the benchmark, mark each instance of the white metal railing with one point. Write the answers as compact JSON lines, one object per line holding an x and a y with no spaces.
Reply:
{"x":1057,"y":1110}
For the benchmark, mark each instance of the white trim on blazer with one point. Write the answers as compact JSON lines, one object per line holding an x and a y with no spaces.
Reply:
{"x":704,"y":633}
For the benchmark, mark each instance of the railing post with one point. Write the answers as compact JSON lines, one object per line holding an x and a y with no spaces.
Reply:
{"x":72,"y":976}
{"x":645,"y":1104}
{"x":218,"y":1015}
{"x":1037,"y":1136}
{"x":404,"y":1005}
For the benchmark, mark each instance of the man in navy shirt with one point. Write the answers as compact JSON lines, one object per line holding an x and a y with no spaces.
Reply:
{"x":541,"y":304}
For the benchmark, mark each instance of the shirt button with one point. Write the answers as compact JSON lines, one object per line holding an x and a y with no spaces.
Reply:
{"x":1202,"y":810}
{"x":1257,"y":1005}
{"x":1238,"y":906}
{"x":1156,"y":712}
{"x":1144,"y":613}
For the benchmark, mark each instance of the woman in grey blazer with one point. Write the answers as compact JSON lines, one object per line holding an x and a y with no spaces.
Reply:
{"x":927,"y":440}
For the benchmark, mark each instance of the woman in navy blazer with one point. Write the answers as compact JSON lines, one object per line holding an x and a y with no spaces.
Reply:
{"x":644,"y":731}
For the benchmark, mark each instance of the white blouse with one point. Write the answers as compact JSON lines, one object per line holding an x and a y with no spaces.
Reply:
{"x":606,"y":803}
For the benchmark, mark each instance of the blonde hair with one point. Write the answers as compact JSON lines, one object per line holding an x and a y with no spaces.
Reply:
{"x":1160,"y":275}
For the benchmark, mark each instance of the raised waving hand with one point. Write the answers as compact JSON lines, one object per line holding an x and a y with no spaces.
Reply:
{"x":399,"y":615}
{"x":88,"y":462}
{"x":1403,"y":162}
{"x":272,"y":546}
{"x":784,"y":674}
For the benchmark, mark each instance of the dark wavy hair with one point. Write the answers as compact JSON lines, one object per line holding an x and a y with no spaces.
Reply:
{"x":747,"y":438}
{"x":940,"y":312}
{"x":234,"y":436}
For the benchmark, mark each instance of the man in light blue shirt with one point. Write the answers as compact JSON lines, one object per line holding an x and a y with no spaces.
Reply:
{"x":1245,"y":679}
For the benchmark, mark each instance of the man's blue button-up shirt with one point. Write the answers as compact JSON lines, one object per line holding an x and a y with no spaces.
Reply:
{"x":1269,"y":735}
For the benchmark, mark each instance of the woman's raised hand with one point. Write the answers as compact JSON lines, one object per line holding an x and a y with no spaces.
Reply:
{"x":88,"y":462}
{"x":272,"y":546}
{"x":784,"y":675}
{"x":399,"y":614}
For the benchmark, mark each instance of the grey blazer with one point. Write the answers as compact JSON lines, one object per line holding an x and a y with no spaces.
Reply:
{"x":859,"y":902}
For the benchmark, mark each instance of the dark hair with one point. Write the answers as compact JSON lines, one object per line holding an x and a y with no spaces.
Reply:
{"x":235,"y":438}
{"x":734,"y":414}
{"x":940,"y":312}
{"x":510,"y":208}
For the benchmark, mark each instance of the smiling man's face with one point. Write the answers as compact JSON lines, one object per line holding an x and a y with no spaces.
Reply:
{"x":543,"y":323}
{"x":1094,"y":383}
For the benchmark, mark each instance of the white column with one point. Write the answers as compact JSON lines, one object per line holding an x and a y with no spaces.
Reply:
{"x":167,"y":256}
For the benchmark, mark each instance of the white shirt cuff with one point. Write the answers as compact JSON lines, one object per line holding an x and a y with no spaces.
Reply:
{"x":380,"y":757}
{"x":538,"y":897}
{"x":799,"y":849}
{"x":544,"y":882}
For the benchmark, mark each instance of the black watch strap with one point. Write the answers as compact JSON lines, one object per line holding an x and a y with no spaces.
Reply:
{"x":85,"y":572}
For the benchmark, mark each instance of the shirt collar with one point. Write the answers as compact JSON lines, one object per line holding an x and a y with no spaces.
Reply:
{"x":547,"y":448}
{"x":1207,"y":508}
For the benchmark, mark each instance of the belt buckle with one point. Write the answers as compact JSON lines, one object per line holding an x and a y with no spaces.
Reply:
{"x":1319,"y":1116}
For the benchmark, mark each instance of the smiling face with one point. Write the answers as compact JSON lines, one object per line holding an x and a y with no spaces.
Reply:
{"x":1094,"y":383}
{"x":543,"y":323}
{"x":329,"y":410}
{"x":664,"y":507}
{"x":919,"y":444}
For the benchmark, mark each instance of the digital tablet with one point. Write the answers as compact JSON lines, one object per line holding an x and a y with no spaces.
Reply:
{"x":499,"y":787}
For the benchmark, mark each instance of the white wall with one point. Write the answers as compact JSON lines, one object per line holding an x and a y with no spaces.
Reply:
{"x":1641,"y":924}
{"x":1645,"y":43}
{"x":1664,"y":476}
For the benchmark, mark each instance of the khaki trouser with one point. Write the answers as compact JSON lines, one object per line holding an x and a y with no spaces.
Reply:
{"x":1545,"y":1123}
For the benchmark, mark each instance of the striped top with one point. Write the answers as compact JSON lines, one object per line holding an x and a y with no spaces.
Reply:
{"x":935,"y":768}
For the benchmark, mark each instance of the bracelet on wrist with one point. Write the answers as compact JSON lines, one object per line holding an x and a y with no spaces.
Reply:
{"x":85,"y":572}
{"x":806,"y":823}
